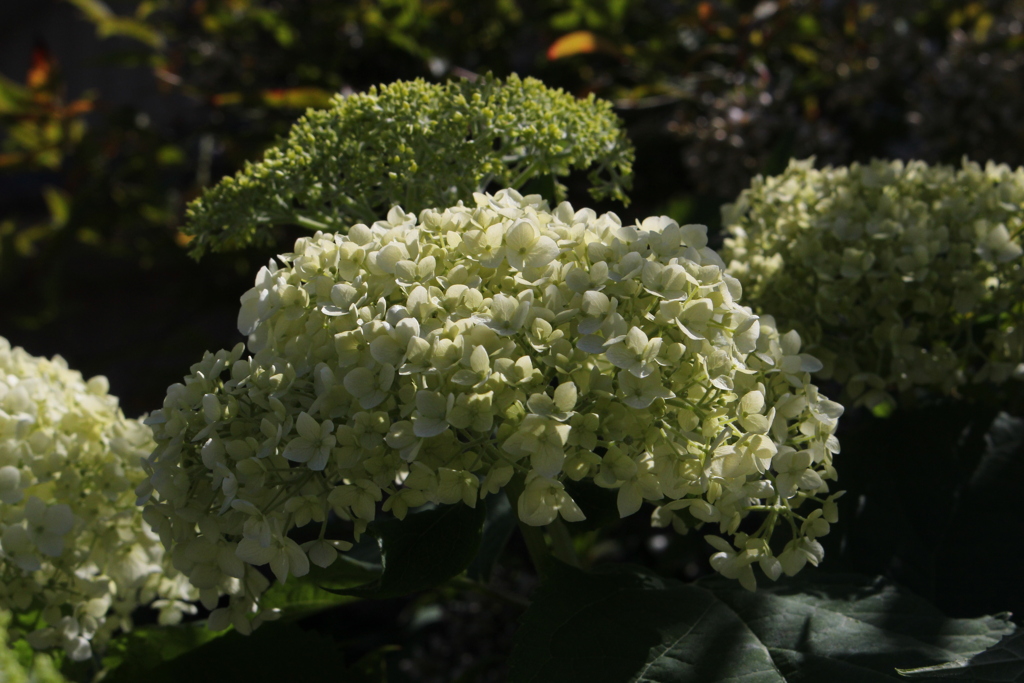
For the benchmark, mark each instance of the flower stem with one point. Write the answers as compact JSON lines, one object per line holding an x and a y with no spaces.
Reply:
{"x":310,"y":223}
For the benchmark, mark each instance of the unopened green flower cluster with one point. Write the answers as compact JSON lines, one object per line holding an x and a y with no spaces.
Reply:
{"x":433,"y":359}
{"x":73,"y":545}
{"x":896,"y":274}
{"x":417,"y":144}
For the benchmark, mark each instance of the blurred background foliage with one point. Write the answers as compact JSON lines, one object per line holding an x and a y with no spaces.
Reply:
{"x":115,"y":114}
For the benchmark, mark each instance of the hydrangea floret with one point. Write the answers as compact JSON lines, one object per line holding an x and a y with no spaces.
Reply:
{"x":74,"y":549}
{"x":419,"y":144}
{"x":434,"y":358}
{"x":897,"y":275}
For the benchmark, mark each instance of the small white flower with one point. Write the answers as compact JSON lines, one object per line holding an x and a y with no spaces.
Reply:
{"x":314,"y":443}
{"x":526,"y":248}
{"x":47,"y":525}
{"x":284,"y":555}
{"x":10,"y":485}
{"x":635,"y":353}
{"x":641,"y":393}
{"x":543,"y":499}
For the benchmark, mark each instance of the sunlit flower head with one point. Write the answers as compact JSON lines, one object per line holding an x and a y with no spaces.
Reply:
{"x":896,"y":275}
{"x":469,"y":347}
{"x":74,"y":548}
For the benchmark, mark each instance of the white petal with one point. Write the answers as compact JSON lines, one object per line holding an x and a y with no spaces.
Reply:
{"x":425,"y":427}
{"x":809,"y":363}
{"x":321,"y":553}
{"x":771,"y":567}
{"x":300,"y":450}
{"x":565,"y":396}
{"x":620,"y":356}
{"x":360,"y":381}
{"x":252,"y":552}
{"x":78,"y":649}
{"x":307,"y":427}
{"x":569,"y":510}
{"x":279,"y":565}
{"x":219,"y":619}
{"x":629,"y":500}
{"x":547,"y":461}
{"x":50,"y":544}
{"x":297,"y":560}
{"x":59,"y":519}
{"x":522,"y":236}
{"x":544,"y":251}
{"x":319,"y":460}
{"x":248,"y":314}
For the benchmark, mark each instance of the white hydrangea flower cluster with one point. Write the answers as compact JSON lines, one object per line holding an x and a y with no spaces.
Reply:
{"x":73,"y":545}
{"x":895,"y":274}
{"x":434,"y":359}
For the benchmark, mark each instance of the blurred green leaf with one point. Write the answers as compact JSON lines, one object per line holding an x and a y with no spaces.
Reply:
{"x":617,"y":10}
{"x":170,"y":155}
{"x":565,"y":21}
{"x":680,"y":209}
{"x":808,"y":25}
{"x":804,"y":54}
{"x":274,"y":24}
{"x":14,"y":97}
{"x":110,"y":24}
{"x":59,"y":204}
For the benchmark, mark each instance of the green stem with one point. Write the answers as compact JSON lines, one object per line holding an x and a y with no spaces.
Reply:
{"x":527,"y":173}
{"x":311,"y":224}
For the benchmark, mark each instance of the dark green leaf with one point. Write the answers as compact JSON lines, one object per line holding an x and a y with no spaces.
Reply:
{"x":949,"y":471}
{"x":989,"y":511}
{"x":133,"y":654}
{"x":301,"y":597}
{"x":1003,"y":663}
{"x":499,"y":524}
{"x":423,"y":550}
{"x":840,"y":628}
{"x":629,"y":626}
